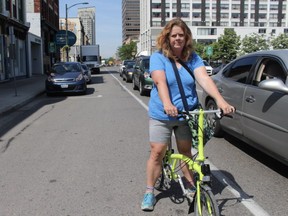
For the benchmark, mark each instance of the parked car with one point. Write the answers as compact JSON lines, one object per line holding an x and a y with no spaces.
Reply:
{"x":208,"y":67}
{"x":141,"y":77}
{"x":123,"y":65}
{"x":87,"y":73}
{"x":257,"y":85}
{"x":128,"y":70}
{"x":66,"y":77}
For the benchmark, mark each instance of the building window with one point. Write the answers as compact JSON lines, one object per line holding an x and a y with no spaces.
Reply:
{"x":185,"y":6}
{"x":185,"y":14}
{"x":262,"y":31}
{"x":207,"y":31}
{"x":156,"y":5}
{"x":196,"y":6}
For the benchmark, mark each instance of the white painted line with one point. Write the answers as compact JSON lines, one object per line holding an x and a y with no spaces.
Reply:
{"x":249,"y":203}
{"x":133,"y":95}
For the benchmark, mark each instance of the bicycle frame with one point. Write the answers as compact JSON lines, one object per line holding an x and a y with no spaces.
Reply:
{"x":196,"y":165}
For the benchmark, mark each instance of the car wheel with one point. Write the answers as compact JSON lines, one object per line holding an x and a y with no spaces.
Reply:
{"x":141,"y":89}
{"x":218,"y":132}
{"x":133,"y":84}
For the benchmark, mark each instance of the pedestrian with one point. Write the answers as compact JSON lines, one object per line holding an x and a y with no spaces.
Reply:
{"x":174,"y":42}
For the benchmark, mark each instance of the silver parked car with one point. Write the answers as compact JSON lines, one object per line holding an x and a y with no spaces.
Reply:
{"x":257,"y":85}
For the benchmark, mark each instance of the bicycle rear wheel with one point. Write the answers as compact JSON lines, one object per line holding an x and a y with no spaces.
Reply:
{"x":208,"y":204}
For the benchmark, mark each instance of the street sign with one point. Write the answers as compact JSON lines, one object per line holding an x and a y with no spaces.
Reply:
{"x":60,"y":38}
{"x":209,"y":51}
{"x":52,"y":47}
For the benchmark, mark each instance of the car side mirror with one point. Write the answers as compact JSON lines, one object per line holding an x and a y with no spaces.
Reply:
{"x":274,"y":85}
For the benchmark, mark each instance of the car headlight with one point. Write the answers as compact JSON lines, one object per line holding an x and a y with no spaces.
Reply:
{"x":146,"y":75}
{"x":50,"y":79}
{"x":80,"y":77}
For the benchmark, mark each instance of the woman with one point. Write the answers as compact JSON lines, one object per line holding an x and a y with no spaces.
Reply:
{"x":174,"y":42}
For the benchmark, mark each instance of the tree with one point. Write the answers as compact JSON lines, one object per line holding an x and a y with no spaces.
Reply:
{"x":127,"y":51}
{"x":228,"y":45}
{"x":253,"y":43}
{"x":280,"y":42}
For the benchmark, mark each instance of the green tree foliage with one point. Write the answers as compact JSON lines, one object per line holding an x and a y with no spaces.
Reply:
{"x":280,"y":42}
{"x":254,"y":43}
{"x":127,"y":51}
{"x":228,"y":45}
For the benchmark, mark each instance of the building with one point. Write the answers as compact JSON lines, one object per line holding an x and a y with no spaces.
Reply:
{"x":87,"y":18}
{"x":130,"y":20}
{"x":13,"y":33}
{"x":207,"y":19}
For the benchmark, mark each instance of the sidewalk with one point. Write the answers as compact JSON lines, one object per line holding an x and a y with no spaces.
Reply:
{"x":14,"y":94}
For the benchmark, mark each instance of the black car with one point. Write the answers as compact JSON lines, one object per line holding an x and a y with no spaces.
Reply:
{"x":128,"y":70}
{"x":141,"y":77}
{"x":123,"y":65}
{"x":66,"y":77}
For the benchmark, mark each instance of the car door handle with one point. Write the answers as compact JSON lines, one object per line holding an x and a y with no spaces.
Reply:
{"x":250,"y":99}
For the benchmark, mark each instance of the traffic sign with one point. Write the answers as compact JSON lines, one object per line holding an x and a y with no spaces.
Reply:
{"x":60,"y":38}
{"x":209,"y":50}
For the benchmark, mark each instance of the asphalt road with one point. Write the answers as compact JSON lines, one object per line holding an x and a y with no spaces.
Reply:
{"x":86,"y":155}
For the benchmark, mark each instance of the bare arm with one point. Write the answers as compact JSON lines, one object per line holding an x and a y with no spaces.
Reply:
{"x":159,"y":79}
{"x":209,"y":86}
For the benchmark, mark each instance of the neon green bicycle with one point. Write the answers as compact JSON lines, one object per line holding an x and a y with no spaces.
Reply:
{"x":204,"y":200}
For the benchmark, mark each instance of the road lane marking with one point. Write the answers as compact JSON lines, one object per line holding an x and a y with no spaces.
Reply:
{"x":248,"y":202}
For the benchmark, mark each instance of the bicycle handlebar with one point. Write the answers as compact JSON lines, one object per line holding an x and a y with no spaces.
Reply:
{"x":218,"y":112}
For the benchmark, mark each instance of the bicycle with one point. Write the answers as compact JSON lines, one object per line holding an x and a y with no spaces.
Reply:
{"x":204,"y":200}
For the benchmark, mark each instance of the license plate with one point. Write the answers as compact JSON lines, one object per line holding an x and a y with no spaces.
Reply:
{"x":64,"y":86}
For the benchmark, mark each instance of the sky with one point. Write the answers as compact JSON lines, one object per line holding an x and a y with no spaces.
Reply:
{"x":108,"y":17}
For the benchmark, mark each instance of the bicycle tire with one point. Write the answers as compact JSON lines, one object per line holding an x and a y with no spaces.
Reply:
{"x":208,"y":203}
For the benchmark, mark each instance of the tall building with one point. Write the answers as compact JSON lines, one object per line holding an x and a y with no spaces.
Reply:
{"x":207,"y":19}
{"x":130,"y":20}
{"x":87,"y":17}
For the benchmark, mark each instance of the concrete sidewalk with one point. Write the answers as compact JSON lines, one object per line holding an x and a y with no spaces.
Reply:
{"x":14,"y":94}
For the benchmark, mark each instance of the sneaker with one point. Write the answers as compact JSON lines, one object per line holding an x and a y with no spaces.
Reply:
{"x":148,"y":202}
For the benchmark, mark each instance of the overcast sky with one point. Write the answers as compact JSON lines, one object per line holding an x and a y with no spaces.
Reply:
{"x":108,"y":22}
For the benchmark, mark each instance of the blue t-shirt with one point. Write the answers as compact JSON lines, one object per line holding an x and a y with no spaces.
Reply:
{"x":159,"y":62}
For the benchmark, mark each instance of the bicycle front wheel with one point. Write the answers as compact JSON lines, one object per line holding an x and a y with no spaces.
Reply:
{"x":207,"y":204}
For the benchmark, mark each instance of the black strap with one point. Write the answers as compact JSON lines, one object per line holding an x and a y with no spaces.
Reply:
{"x":179,"y":82}
{"x":186,"y":67}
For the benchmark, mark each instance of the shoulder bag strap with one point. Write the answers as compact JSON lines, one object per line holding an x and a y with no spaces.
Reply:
{"x":186,"y":67}
{"x":179,"y":82}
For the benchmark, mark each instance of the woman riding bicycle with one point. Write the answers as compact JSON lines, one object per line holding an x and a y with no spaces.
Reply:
{"x":174,"y":42}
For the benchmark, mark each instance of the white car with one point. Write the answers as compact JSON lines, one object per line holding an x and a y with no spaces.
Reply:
{"x":208,"y":68}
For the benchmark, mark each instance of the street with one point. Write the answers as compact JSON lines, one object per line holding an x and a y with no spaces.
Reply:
{"x":86,"y":155}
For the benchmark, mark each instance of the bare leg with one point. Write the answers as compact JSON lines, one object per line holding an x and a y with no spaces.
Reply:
{"x":154,"y":163}
{"x":184,"y":147}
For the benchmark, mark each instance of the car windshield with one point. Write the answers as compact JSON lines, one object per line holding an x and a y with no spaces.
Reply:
{"x":63,"y":68}
{"x":127,"y":62}
{"x":130,"y":65}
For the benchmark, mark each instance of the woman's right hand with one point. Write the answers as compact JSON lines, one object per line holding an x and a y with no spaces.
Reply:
{"x":170,"y":110}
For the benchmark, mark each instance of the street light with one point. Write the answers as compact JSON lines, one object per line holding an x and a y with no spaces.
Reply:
{"x":67,"y":8}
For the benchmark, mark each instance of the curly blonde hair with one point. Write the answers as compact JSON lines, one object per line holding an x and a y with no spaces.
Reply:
{"x":163,"y":43}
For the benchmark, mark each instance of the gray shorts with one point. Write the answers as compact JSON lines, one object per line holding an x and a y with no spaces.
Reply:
{"x":161,"y":131}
